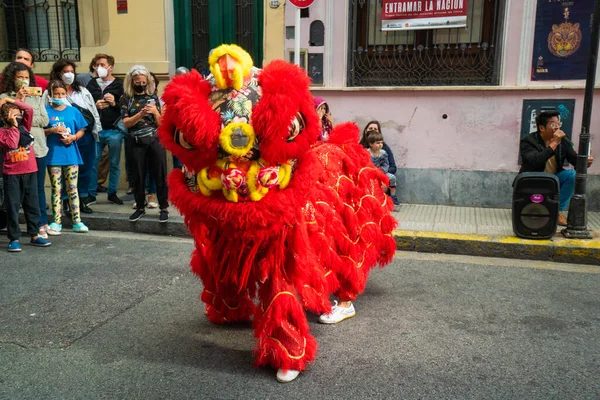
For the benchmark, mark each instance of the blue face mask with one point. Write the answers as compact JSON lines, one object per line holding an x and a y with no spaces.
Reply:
{"x":59,"y":102}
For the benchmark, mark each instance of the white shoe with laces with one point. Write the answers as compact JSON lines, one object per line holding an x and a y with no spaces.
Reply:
{"x":337,"y":314}
{"x":285,"y":376}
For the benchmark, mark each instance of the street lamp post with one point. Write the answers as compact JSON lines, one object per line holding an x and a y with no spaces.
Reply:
{"x":577,"y":219}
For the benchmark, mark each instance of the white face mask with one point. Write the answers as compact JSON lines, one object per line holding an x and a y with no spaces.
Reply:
{"x":68,"y":77}
{"x":102,"y":72}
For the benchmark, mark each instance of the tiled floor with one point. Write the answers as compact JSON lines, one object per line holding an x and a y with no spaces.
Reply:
{"x":485,"y":221}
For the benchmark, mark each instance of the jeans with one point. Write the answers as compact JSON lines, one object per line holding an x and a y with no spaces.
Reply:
{"x":41,"y":179}
{"x":21,"y":190}
{"x":87,"y":148}
{"x":566,"y":179}
{"x":114,"y":140}
{"x":150,"y":184}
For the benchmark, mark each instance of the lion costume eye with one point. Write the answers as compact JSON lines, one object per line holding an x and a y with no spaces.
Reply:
{"x":179,"y":138}
{"x":296,"y":127}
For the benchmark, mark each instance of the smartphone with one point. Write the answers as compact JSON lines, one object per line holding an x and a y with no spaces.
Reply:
{"x":150,"y":102}
{"x":34,"y":91}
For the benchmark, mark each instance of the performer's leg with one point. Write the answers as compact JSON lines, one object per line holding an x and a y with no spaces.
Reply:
{"x":223,"y":302}
{"x":281,"y":329}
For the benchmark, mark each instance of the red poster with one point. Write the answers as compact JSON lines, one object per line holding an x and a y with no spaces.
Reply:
{"x":423,"y":14}
{"x":121,"y":6}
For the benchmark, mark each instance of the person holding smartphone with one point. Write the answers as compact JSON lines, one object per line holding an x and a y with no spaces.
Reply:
{"x":17,"y":83}
{"x":141,"y":113}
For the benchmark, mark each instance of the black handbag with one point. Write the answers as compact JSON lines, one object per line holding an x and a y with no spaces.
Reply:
{"x":87,"y":115}
{"x":144,"y":136}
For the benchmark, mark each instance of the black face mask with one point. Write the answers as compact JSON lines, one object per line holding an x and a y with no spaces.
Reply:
{"x":140,"y":88}
{"x":19,"y":120}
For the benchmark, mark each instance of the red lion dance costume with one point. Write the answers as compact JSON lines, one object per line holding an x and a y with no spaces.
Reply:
{"x":273,"y":212}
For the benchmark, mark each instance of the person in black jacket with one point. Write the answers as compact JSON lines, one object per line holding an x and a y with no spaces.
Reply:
{"x":546,"y":151}
{"x":107,"y":91}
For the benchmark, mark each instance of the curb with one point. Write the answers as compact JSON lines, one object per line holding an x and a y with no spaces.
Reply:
{"x":556,"y":249}
{"x":148,"y":224}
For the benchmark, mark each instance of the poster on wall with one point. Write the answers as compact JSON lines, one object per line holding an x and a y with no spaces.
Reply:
{"x":423,"y":14}
{"x":561,"y":42}
{"x":531,"y":109}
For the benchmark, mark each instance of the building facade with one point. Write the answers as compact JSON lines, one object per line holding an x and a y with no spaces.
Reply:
{"x":450,"y":101}
{"x":453,"y":103}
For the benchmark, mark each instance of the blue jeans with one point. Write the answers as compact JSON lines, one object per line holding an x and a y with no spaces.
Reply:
{"x":114,"y":140}
{"x":566,"y":179}
{"x":87,"y":148}
{"x":150,"y":184}
{"x":41,"y":179}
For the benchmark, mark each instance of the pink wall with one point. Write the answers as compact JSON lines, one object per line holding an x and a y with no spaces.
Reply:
{"x":481,"y":132}
{"x":483,"y":126}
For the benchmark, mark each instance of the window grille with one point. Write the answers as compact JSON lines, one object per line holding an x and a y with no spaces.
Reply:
{"x":434,"y":57}
{"x":49,"y":28}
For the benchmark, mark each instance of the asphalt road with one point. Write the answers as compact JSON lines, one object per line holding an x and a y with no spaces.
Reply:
{"x":117,"y":316}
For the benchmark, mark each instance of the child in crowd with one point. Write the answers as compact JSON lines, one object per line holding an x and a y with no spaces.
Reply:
{"x":67,"y":125}
{"x":380,"y":160}
{"x":325,"y":116}
{"x":19,"y":172}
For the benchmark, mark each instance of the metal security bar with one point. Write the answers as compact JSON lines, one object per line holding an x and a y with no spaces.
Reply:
{"x":200,"y":35}
{"x":435,"y":57}
{"x":49,"y":28}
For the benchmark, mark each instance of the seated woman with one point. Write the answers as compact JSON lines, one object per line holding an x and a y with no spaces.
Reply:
{"x":374,"y":126}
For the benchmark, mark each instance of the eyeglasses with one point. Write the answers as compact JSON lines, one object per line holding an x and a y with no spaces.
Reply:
{"x":556,"y":125}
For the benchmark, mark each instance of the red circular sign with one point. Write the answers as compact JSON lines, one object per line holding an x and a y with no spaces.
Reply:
{"x":302,"y":3}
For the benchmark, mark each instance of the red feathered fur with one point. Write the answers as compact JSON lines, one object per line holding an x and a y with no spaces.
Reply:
{"x":320,"y":235}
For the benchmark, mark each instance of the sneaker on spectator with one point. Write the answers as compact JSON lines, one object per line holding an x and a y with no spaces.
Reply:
{"x":113,"y":198}
{"x":164,"y":216}
{"x":129,"y":190}
{"x":337,"y":314}
{"x":137,"y":215}
{"x":42,"y":232}
{"x":151,"y":200}
{"x":395,"y":200}
{"x":101,"y":189}
{"x":54,"y":229}
{"x":80,"y":228}
{"x":40,"y":242}
{"x":84,"y":208}
{"x":89,"y":200}
{"x":14,"y":246}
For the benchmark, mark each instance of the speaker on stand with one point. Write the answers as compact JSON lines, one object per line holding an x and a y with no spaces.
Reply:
{"x":535,"y":205}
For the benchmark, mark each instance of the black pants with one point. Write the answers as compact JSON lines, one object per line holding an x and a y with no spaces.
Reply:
{"x":153,"y":158}
{"x":21,"y":190}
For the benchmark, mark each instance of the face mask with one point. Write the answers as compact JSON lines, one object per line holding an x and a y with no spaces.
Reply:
{"x":68,"y":77}
{"x":19,"y":120}
{"x":59,"y":101}
{"x":19,"y":83}
{"x":102,"y":72}
{"x":140,"y":88}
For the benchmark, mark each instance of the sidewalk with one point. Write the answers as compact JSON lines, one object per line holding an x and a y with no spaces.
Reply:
{"x":424,"y":228}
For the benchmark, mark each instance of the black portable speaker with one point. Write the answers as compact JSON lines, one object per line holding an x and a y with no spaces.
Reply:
{"x":535,"y":205}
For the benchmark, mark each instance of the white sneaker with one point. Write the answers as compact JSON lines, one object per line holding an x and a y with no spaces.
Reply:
{"x":287,"y":376}
{"x":337,"y":314}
